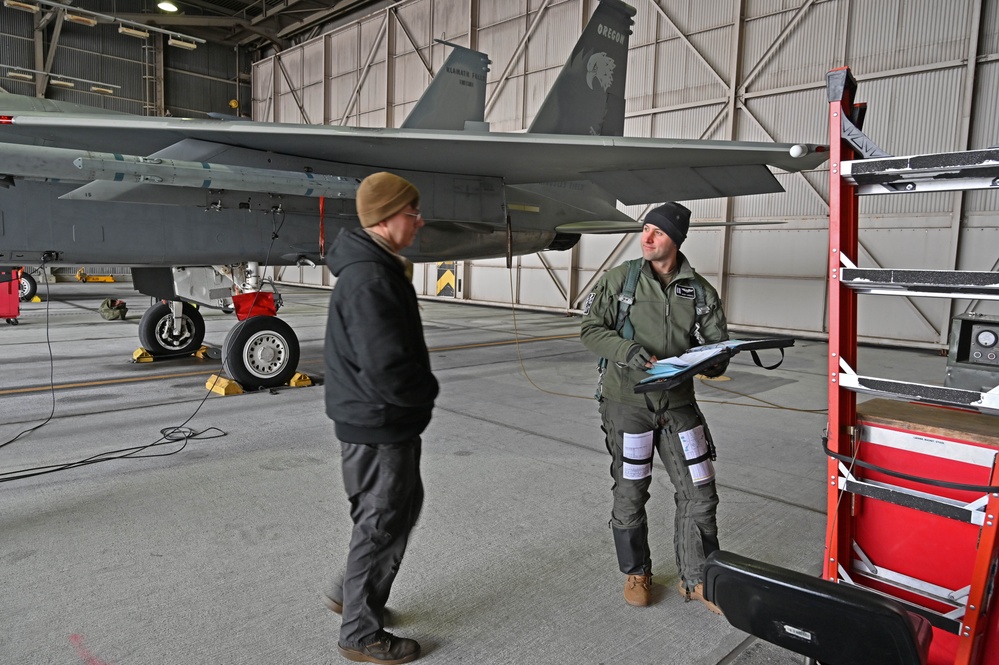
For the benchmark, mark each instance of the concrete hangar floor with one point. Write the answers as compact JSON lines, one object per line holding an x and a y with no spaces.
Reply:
{"x":218,"y":552}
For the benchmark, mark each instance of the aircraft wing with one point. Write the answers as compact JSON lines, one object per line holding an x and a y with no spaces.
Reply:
{"x":635,"y":170}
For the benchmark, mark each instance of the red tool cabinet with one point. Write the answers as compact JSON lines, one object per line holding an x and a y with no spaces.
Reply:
{"x":926,"y":533}
{"x":10,"y":294}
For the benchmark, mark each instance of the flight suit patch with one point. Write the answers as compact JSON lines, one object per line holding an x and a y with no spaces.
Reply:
{"x":589,"y":302}
{"x":685,"y":292}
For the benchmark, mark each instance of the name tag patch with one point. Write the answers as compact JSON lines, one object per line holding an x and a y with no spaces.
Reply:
{"x":685,"y":292}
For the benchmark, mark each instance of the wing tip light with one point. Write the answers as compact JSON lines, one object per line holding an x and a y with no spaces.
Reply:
{"x":799,"y":150}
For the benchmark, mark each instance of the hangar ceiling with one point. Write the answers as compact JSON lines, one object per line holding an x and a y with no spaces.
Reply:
{"x":250,"y":23}
{"x":267,"y":25}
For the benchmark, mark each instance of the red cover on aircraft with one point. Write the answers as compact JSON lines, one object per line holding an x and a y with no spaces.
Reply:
{"x":260,"y":303}
{"x":10,"y":293}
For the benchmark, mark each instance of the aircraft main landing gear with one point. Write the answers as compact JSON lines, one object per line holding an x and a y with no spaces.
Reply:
{"x":27,"y":288}
{"x":260,"y":352}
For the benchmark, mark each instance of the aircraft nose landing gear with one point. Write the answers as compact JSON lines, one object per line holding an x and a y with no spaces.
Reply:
{"x":163,"y":333}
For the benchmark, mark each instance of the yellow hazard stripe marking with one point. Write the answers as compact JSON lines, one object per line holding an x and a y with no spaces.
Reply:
{"x":446,"y":279}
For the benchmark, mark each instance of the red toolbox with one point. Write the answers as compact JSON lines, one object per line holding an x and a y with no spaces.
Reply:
{"x":10,"y":294}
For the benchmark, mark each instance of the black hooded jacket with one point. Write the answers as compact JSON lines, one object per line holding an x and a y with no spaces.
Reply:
{"x":379,"y":386}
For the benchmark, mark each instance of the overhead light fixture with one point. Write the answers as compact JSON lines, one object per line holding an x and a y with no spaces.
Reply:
{"x":89,"y":21}
{"x":59,"y":80}
{"x":182,"y":43}
{"x":133,"y":32}
{"x":125,"y":27}
{"x":23,"y":6}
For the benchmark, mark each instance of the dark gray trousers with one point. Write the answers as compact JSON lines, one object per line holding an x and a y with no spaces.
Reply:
{"x":695,"y":525}
{"x":386,"y":494}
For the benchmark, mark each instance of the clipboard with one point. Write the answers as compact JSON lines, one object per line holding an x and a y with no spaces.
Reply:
{"x":671,"y":372}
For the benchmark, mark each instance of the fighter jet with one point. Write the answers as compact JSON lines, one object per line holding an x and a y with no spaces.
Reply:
{"x":195,"y":206}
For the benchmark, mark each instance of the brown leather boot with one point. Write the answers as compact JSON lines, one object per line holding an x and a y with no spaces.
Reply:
{"x":386,"y":649}
{"x":697,"y":593}
{"x":638,"y":590}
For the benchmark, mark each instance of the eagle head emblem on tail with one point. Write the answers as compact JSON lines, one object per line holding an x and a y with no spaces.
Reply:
{"x":601,"y":68}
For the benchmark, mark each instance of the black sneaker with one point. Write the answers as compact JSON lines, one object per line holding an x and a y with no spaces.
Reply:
{"x":386,"y":648}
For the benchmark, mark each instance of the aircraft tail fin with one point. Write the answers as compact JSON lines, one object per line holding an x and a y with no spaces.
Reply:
{"x":456,"y":95}
{"x":588,"y":95}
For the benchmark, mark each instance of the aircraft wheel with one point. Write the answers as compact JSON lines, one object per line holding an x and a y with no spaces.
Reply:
{"x":12,"y":322}
{"x":260,"y":352}
{"x":27,"y":288}
{"x":156,"y":333}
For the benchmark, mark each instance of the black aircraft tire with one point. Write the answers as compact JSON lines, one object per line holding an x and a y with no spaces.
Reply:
{"x":27,"y":288}
{"x":156,"y":331}
{"x":260,"y":352}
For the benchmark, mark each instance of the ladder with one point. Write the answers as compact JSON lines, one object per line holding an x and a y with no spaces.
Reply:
{"x":873,"y":492}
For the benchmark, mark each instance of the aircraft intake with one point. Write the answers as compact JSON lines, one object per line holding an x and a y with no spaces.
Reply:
{"x":563,"y":241}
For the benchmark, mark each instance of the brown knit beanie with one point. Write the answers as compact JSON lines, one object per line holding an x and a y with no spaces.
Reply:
{"x":382,"y":195}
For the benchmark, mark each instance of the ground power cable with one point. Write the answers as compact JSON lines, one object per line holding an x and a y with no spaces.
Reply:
{"x":48,"y":344}
{"x":167,"y":435}
{"x":520,"y":357}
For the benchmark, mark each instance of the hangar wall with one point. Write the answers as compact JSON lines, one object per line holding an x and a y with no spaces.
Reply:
{"x":718,"y":69}
{"x":147,"y":76}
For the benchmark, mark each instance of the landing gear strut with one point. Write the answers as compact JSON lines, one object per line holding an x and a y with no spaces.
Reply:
{"x":261,"y":351}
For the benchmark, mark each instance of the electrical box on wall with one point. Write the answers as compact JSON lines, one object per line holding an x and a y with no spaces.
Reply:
{"x":973,"y":357}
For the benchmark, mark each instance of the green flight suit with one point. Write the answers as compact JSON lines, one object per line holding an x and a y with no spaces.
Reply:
{"x":664,"y":320}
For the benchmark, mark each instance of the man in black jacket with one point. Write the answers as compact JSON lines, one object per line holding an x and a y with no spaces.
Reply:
{"x":380,"y":393}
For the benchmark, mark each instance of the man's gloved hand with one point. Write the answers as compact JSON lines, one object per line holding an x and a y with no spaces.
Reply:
{"x":715,"y":370}
{"x":639,"y":358}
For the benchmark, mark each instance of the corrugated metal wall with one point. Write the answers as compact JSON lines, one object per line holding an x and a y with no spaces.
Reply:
{"x":717,"y":69}
{"x":194,"y":82}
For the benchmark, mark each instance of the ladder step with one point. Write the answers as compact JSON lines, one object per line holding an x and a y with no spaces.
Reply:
{"x":948,"y":171}
{"x":935,"y":618}
{"x":921,"y":501}
{"x":918,"y":392}
{"x":932,"y":283}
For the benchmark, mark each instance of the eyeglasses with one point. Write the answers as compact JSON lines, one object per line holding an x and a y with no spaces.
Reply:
{"x":417,"y":215}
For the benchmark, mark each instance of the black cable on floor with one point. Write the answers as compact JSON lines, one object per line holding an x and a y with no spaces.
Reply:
{"x":167,"y":434}
{"x":48,"y":343}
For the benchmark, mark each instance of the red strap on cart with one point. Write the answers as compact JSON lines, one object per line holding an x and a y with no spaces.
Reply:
{"x":322,"y":229}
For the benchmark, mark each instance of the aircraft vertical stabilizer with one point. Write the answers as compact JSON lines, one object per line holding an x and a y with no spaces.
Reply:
{"x":456,"y":95}
{"x":588,"y":95}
